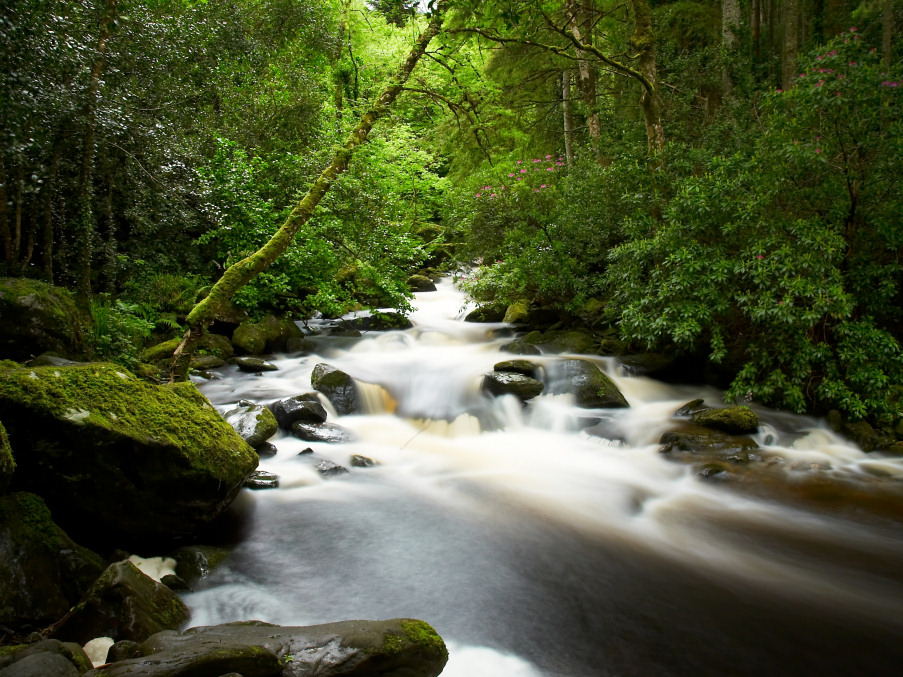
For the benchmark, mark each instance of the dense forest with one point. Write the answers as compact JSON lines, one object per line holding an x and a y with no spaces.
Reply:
{"x":717,"y":181}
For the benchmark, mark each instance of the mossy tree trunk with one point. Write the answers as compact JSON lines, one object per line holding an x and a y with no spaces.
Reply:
{"x":790,"y":44}
{"x":580,"y":25}
{"x":242,"y":272}
{"x":568,"y":118}
{"x":643,"y":40}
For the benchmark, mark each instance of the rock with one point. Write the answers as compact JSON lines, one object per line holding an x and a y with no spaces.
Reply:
{"x":338,"y":387}
{"x":266,"y":449}
{"x":485,"y":314}
{"x":362,"y":462}
{"x":690,"y":408}
{"x":253,"y":365}
{"x":121,"y":457}
{"x":653,"y":365}
{"x":691,"y":442}
{"x":161,"y":351}
{"x":518,"y":312}
{"x":205,"y":362}
{"x":711,"y":470}
{"x":51,"y":360}
{"x":41,"y":665}
{"x":330,"y":469}
{"x":520,"y":348}
{"x":254,"y":423}
{"x":378,"y":321}
{"x":217,"y":345}
{"x":175,"y":583}
{"x":399,"y":647}
{"x":732,"y":420}
{"x":299,"y":345}
{"x":420,"y":283}
{"x":591,"y":388}
{"x":261,"y":479}
{"x":43,"y":572}
{"x":573,"y":341}
{"x":69,"y":651}
{"x":38,"y":318}
{"x":123,"y":604}
{"x":507,"y":383}
{"x":123,"y":650}
{"x":860,"y":432}
{"x":195,"y":562}
{"x":7,"y":463}
{"x":524,"y":367}
{"x":305,"y":452}
{"x":305,"y":408}
{"x":250,"y":339}
{"x":278,"y":331}
{"x":321,"y":432}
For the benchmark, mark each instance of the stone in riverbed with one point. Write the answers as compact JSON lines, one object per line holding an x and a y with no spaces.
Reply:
{"x":358,"y":461}
{"x":695,"y":443}
{"x":261,"y":479}
{"x":253,"y":422}
{"x":253,"y":365}
{"x":339,"y":388}
{"x":591,"y":388}
{"x":524,"y":367}
{"x":306,"y":408}
{"x":500,"y":383}
{"x":330,"y":469}
{"x":321,"y":432}
{"x":520,"y":348}
{"x":485,"y":314}
{"x":420,"y":283}
{"x":37,"y":318}
{"x":732,"y":420}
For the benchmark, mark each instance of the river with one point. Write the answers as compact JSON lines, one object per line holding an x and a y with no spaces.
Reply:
{"x":536,"y":549}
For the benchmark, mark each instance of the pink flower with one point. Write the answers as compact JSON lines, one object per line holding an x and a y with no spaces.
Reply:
{"x":523,"y":171}
{"x":818,"y":58}
{"x":802,"y":75}
{"x":780,"y":91}
{"x":872,"y":50}
{"x":543,"y":186}
{"x":510,"y":175}
{"x":852,"y":63}
{"x":536,"y":160}
{"x":760,"y":257}
{"x":519,"y":161}
{"x":548,"y":157}
{"x":536,"y":190}
{"x":852,"y":29}
{"x":819,"y":83}
{"x":780,"y":303}
{"x":836,"y":93}
{"x":493,"y":195}
{"x":818,"y":150}
{"x":519,"y":178}
{"x":479,"y":194}
{"x":550,"y":169}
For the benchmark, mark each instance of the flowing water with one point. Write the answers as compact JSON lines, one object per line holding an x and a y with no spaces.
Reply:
{"x":537,"y":549}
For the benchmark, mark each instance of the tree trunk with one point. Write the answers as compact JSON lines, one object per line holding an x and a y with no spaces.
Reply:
{"x":643,"y":40}
{"x":730,"y":26}
{"x":586,"y":79}
{"x":755,"y":16}
{"x":887,"y":33}
{"x":790,"y":44}
{"x":84,"y":219}
{"x":5,"y":233}
{"x":47,"y":239}
{"x":568,"y":118}
{"x":17,"y":219}
{"x":242,"y":272}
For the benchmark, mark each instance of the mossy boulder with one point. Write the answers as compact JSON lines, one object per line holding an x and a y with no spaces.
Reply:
{"x":420,"y":283}
{"x":122,"y":457}
{"x":379,"y":321}
{"x":205,"y":362}
{"x":400,"y":647}
{"x":518,"y":312}
{"x":485,"y":314}
{"x":43,"y":572}
{"x":695,"y":443}
{"x":253,"y":365}
{"x":585,"y":381}
{"x":250,"y":338}
{"x":339,"y":388}
{"x":278,"y":332}
{"x":7,"y":464}
{"x":37,"y":318}
{"x":573,"y":341}
{"x":123,"y":603}
{"x":500,"y":383}
{"x":253,"y":422}
{"x":216,"y":345}
{"x":195,"y":562}
{"x":524,"y":367}
{"x":46,"y":658}
{"x":161,"y":351}
{"x":731,"y":420}
{"x":520,"y":348}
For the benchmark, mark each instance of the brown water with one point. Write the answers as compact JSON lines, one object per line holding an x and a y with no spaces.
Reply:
{"x":537,"y":549}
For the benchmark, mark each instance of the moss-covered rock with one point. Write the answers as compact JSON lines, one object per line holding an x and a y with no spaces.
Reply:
{"x":43,"y":572}
{"x":509,"y":383}
{"x":161,"y":351}
{"x":339,"y":388}
{"x":524,"y":367}
{"x":420,"y":283}
{"x":304,"y":407}
{"x":518,"y":312}
{"x":520,"y":348}
{"x":573,"y":341}
{"x":691,"y":443}
{"x":195,"y":562}
{"x":7,"y":463}
{"x":217,"y":345}
{"x":205,"y":362}
{"x":731,"y":420}
{"x":485,"y":314}
{"x":253,"y":365}
{"x":126,"y":457}
{"x":400,"y":646}
{"x":250,"y":338}
{"x":47,"y":658}
{"x":123,"y":603}
{"x":253,"y":422}
{"x":589,"y":386}
{"x":37,"y":318}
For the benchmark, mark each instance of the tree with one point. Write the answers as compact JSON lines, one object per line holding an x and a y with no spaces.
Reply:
{"x":242,"y":272}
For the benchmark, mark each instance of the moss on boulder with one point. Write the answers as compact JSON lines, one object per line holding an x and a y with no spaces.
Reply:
{"x":38,"y":317}
{"x":339,"y":388}
{"x":126,"y":457}
{"x":250,"y":339}
{"x":485,"y":314}
{"x":731,"y":420}
{"x":586,"y":382}
{"x":518,"y":312}
{"x":43,"y":572}
{"x":420,"y":283}
{"x":161,"y":351}
{"x":7,"y":464}
{"x":500,"y":383}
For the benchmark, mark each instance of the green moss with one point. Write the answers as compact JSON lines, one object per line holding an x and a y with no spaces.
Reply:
{"x":12,"y":650}
{"x":517,"y":312}
{"x":31,"y":519}
{"x":9,"y":364}
{"x":7,"y":463}
{"x":161,"y":351}
{"x":416,"y":633}
{"x":111,"y":398}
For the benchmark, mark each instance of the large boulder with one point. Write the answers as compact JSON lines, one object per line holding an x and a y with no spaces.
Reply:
{"x":420,"y":283}
{"x":692,"y":443}
{"x":485,"y":314}
{"x":119,"y":456}
{"x":509,"y":383}
{"x":306,"y":408}
{"x":321,"y":432}
{"x":524,"y":367}
{"x":46,"y":658}
{"x":339,"y":388}
{"x":253,"y":422}
{"x":123,"y":603}
{"x":586,"y":382}
{"x":399,"y":647}
{"x":43,"y":572}
{"x":37,"y":318}
{"x":279,"y":331}
{"x":731,"y":420}
{"x":250,"y":338}
{"x":7,"y":464}
{"x":518,"y":312}
{"x":379,"y":321}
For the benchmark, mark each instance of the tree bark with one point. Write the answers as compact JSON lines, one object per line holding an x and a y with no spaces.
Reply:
{"x":790,"y":43}
{"x":5,"y":233}
{"x":755,"y":17}
{"x":85,"y":215}
{"x":887,"y":33}
{"x":586,"y":79}
{"x":730,"y":25}
{"x":242,"y":272}
{"x":568,"y":118}
{"x":643,"y":40}
{"x":47,"y":239}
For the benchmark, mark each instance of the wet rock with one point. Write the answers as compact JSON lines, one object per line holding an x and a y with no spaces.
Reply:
{"x":217,"y":345}
{"x":253,"y":422}
{"x":299,"y":345}
{"x":362,"y":462}
{"x":253,"y":365}
{"x":175,"y":583}
{"x":520,"y":348}
{"x":397,"y":647}
{"x":70,"y":652}
{"x":380,"y":321}
{"x":51,"y":360}
{"x":39,"y":318}
{"x":485,"y":314}
{"x":338,"y":387}
{"x":41,"y":665}
{"x":195,"y":562}
{"x":305,"y":452}
{"x":591,"y":388}
{"x":43,"y":572}
{"x":330,"y":469}
{"x":250,"y":339}
{"x":690,"y":408}
{"x":694,"y":442}
{"x":653,"y":365}
{"x":305,"y":408}
{"x":120,"y":458}
{"x":123,"y":650}
{"x":518,"y":312}
{"x":266,"y":449}
{"x":205,"y":362}
{"x":420,"y":283}
{"x":710,"y":470}
{"x":573,"y":341}
{"x":123,"y":604}
{"x":524,"y":367}
{"x":261,"y":479}
{"x":321,"y":432}
{"x":500,"y":383}
{"x":732,"y":420}
{"x":278,"y":331}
